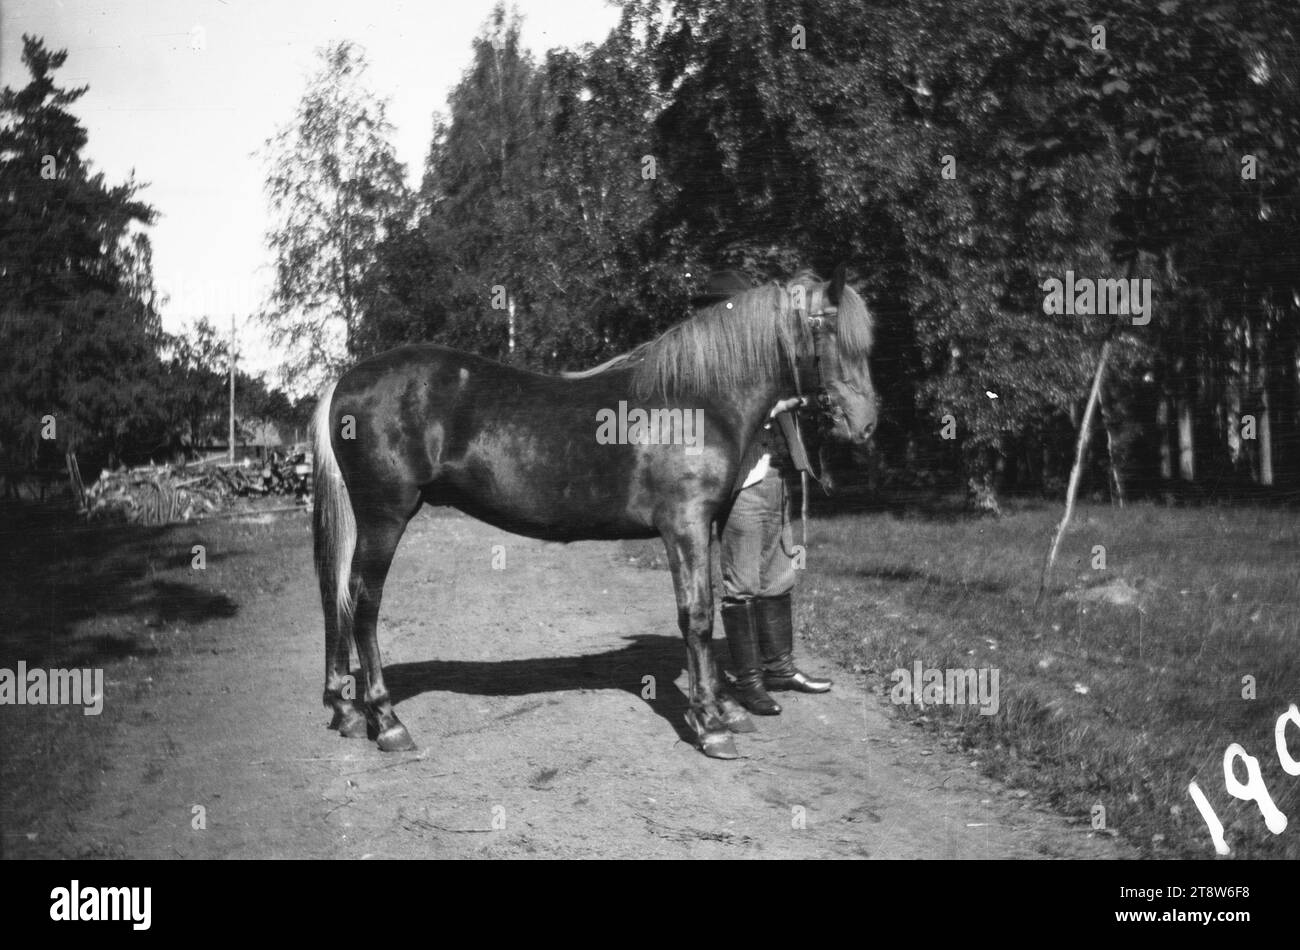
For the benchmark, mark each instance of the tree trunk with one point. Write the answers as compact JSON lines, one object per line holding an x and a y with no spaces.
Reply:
{"x":1166,"y":448}
{"x":1186,"y":440}
{"x":1284,"y":399}
{"x":981,"y":490}
{"x":1264,"y":433}
{"x":1117,"y":483}
{"x":510,"y":329}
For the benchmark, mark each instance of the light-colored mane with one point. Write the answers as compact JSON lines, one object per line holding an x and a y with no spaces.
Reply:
{"x":608,"y":364}
{"x":730,"y":344}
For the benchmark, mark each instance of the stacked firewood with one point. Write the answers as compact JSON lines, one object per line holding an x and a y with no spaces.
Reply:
{"x":157,"y":494}
{"x":163,"y":494}
{"x":282,"y":475}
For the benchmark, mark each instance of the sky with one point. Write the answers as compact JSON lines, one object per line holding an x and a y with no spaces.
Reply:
{"x":184,"y":92}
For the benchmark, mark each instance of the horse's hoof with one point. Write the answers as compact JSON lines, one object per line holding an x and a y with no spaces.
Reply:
{"x":736,"y":719}
{"x":715,"y":743}
{"x":350,"y":724}
{"x":395,"y":739}
{"x":718,"y":745}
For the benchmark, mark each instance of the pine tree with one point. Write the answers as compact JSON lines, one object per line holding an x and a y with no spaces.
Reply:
{"x":78,"y":328}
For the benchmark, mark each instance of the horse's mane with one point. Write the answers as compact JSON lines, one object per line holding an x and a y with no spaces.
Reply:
{"x":610,"y":363}
{"x":729,"y":344}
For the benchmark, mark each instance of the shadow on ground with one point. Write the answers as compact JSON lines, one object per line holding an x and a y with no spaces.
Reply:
{"x":56,"y":572}
{"x":659,"y":656}
{"x":910,"y":574}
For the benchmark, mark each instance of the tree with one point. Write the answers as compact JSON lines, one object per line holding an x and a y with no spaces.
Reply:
{"x":336,"y":189}
{"x":481,"y":190}
{"x":809,"y":135}
{"x":78,"y":327}
{"x":959,"y":157}
{"x":1209,"y":123}
{"x":531,"y":244}
{"x":196,"y":382}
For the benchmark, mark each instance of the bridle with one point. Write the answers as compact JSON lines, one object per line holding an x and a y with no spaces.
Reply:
{"x":820,"y":398}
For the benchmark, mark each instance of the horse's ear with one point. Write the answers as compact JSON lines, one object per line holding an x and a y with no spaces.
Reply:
{"x":836,"y":289}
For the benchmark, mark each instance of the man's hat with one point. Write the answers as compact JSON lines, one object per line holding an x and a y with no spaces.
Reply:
{"x":722,"y":285}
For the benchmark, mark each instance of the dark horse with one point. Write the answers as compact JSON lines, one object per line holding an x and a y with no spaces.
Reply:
{"x":566,"y":459}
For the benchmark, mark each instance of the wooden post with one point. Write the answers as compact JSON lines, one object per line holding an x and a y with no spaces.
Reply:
{"x":74,"y":476}
{"x":232,"y":387}
{"x":1085,"y":433}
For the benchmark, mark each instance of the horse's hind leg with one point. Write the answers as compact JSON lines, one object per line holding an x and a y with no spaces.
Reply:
{"x":688,"y":558}
{"x":377,"y":539}
{"x":340,"y":689}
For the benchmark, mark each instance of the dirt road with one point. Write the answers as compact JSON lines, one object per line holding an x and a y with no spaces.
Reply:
{"x":523,"y":688}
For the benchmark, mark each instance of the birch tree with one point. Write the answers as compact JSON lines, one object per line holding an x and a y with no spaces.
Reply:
{"x":335,"y":188}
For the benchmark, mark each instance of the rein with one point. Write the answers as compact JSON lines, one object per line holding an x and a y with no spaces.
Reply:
{"x":817,"y":326}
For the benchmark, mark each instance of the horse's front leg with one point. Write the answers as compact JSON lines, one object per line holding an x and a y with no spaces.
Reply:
{"x":688,"y":558}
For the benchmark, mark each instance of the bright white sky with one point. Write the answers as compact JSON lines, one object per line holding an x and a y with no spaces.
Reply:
{"x":188,"y":120}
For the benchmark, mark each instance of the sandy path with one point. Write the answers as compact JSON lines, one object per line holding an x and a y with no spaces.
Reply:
{"x":522,"y":688}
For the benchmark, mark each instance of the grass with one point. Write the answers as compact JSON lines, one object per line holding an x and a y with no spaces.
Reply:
{"x":1101,"y":703}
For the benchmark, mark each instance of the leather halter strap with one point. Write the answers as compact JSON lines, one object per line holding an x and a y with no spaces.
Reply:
{"x":816,"y":323}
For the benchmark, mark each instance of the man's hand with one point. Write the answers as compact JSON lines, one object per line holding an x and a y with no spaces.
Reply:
{"x":785,"y":405}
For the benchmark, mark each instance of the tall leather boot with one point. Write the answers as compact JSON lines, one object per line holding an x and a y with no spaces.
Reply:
{"x":774,"y":617}
{"x":742,"y":640}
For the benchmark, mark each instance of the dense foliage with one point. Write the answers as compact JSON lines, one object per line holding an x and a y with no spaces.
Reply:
{"x":958,"y":156}
{"x":85,"y":367}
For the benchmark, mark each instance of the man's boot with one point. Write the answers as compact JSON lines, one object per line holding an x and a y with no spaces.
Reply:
{"x":742,"y":640}
{"x":774,"y":618}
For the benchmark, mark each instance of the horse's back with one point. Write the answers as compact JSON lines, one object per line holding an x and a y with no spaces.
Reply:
{"x":516,"y":449}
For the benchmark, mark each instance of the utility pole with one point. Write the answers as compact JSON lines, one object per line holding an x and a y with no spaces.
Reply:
{"x":232,"y":387}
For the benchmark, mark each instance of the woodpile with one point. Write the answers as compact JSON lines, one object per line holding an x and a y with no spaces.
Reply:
{"x":163,"y":494}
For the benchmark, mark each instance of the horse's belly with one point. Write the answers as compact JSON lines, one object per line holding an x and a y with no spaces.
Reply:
{"x":550,"y":504}
{"x":564,"y":486}
{"x":555,"y":523}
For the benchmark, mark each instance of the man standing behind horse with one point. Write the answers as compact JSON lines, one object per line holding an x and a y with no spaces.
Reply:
{"x":758,"y":570}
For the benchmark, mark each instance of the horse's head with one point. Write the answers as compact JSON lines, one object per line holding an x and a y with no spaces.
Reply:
{"x":809,"y":334}
{"x":835,"y":343}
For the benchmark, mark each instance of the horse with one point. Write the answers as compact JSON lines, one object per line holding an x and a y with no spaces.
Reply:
{"x":541,"y":456}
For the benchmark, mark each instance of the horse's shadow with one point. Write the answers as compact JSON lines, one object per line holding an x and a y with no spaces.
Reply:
{"x":644,"y":655}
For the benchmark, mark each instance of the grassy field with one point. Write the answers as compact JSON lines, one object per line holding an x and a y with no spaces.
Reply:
{"x":1129,"y":682}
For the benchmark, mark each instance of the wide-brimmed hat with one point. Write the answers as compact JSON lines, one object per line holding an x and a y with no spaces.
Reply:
{"x":722,"y":285}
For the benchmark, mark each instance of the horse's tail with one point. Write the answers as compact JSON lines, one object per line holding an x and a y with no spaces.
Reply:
{"x":334,"y":526}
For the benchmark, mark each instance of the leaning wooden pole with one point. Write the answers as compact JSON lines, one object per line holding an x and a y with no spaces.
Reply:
{"x":1081,"y":450}
{"x":232,"y":387}
{"x":74,"y":477}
